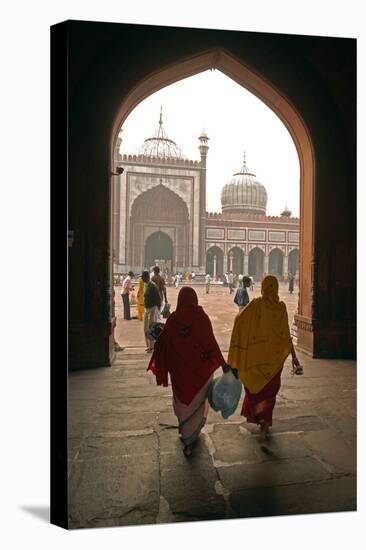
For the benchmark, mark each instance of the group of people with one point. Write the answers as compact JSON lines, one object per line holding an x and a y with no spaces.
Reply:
{"x":151,"y":295}
{"x":188,"y":352}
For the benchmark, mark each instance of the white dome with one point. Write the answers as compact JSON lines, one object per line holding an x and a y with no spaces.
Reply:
{"x":243,"y":193}
{"x":160,"y":146}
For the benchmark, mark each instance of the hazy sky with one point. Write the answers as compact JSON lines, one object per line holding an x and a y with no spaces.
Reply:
{"x":235,"y":120}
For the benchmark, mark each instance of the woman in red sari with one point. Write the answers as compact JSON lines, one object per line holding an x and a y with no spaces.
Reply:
{"x":260,"y":344}
{"x":188,"y":351}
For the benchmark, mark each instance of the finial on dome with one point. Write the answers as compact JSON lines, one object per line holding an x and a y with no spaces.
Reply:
{"x":161,"y":116}
{"x":286,"y":212}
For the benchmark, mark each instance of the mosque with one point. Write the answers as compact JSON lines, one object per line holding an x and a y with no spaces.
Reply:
{"x":160,"y":216}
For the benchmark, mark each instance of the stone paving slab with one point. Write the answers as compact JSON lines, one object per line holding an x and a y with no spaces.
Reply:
{"x":296,"y":499}
{"x":272,"y":473}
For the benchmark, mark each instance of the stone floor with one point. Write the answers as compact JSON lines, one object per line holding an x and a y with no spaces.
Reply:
{"x":126,"y":465}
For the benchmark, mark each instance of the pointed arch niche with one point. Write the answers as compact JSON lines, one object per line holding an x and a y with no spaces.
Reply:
{"x":251,"y":80}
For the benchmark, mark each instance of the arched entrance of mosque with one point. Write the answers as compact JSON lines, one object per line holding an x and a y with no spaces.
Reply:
{"x":159,"y":251}
{"x":215,"y":261}
{"x":293,"y":261}
{"x":236,"y":261}
{"x":275,"y":262}
{"x":256,"y":263}
{"x":159,"y":230}
{"x":276,"y":100}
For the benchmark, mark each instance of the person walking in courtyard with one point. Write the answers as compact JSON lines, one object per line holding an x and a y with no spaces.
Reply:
{"x":260,"y":344}
{"x":160,"y":283}
{"x":231,"y":282}
{"x":176,"y":280}
{"x":152,"y":304}
{"x":125,"y":293}
{"x":241,"y":298}
{"x":208,"y":282}
{"x":188,"y":351}
{"x":291,"y":280}
{"x":140,"y":299}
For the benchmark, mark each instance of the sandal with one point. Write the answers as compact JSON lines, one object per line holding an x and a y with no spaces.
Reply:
{"x":297,"y":369}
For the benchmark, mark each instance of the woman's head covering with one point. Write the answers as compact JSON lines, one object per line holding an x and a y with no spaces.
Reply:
{"x":186,"y":348}
{"x":187,"y":297}
{"x":260,"y":341}
{"x":269,"y":289}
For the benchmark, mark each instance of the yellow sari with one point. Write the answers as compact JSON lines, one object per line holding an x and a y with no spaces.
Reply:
{"x":260,"y":340}
{"x":140,"y":299}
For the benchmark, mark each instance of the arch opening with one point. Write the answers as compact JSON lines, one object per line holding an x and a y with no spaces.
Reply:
{"x":215,"y":261}
{"x":267,"y":92}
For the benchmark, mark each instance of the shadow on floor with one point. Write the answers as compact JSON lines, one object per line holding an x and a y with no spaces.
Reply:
{"x":40,"y":512}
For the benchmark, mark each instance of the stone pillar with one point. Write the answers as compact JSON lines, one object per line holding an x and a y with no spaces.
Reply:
{"x":246,"y":263}
{"x":203,"y":147}
{"x":285,"y":264}
{"x":265,"y":266}
{"x":215,"y":266}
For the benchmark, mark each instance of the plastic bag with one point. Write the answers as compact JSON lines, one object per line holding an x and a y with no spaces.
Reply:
{"x":154,"y":331}
{"x":132,"y":299}
{"x":166,"y":311}
{"x":224,"y":394}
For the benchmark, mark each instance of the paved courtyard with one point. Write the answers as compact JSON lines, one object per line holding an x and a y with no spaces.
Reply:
{"x":126,"y":465}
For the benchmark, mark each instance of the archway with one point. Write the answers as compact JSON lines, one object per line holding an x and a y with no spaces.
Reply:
{"x":275,"y":99}
{"x":275,"y":262}
{"x":236,"y":261}
{"x":256,"y":263}
{"x":159,"y":250}
{"x":158,"y":211}
{"x":293,"y":261}
{"x":215,"y":261}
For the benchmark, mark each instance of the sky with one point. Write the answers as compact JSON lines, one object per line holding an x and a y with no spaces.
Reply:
{"x":235,"y":121}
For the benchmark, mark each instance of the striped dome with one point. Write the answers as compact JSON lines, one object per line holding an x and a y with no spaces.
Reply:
{"x":243,"y":193}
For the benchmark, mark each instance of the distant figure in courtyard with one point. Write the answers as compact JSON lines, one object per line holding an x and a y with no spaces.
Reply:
{"x":140,"y":299}
{"x":160,"y":283}
{"x":152,"y":304}
{"x":291,"y":280}
{"x":241,"y":298}
{"x":188,"y":351}
{"x":260,"y":344}
{"x":176,"y":280}
{"x":231,"y":282}
{"x":251,"y":283}
{"x":208,"y":282}
{"x":125,"y":293}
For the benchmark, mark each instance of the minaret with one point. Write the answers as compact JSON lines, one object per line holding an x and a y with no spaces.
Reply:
{"x":203,"y":147}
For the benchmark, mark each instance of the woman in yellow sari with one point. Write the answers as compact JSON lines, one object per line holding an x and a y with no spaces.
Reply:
{"x":140,"y":299}
{"x":260,"y":344}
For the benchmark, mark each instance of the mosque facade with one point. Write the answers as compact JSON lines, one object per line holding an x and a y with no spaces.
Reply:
{"x":160,"y":216}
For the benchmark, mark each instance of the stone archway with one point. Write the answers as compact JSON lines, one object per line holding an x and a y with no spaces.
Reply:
{"x":236,"y":260}
{"x":215,"y":261}
{"x":159,"y":211}
{"x":276,"y":100}
{"x":293,"y":261}
{"x":275,"y":262}
{"x":256,"y":263}
{"x":158,"y":248}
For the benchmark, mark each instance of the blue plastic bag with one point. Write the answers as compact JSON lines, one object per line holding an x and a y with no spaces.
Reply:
{"x":224,"y":394}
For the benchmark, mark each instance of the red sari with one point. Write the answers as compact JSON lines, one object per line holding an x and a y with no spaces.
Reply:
{"x":188,"y":351}
{"x":258,"y":407}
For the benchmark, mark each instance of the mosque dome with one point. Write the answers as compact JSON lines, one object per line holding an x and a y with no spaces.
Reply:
{"x":160,"y":145}
{"x":244,"y":194}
